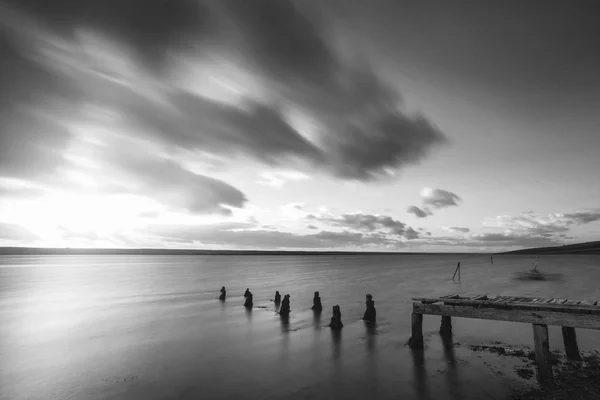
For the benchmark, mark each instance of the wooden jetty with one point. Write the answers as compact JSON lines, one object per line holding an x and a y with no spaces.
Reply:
{"x":541,"y":312}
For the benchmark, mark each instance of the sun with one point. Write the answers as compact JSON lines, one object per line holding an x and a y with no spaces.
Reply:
{"x":100,"y":214}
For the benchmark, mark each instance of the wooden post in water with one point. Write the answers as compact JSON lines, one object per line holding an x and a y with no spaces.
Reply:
{"x":570,"y":341}
{"x":457,"y":270}
{"x":542,"y":354}
{"x":416,"y":340}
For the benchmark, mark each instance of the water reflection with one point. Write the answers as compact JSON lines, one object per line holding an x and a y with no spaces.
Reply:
{"x":336,"y":348}
{"x":452,"y":371}
{"x":420,"y":374}
{"x":285,"y":341}
{"x":248,"y":313}
{"x":371,"y":337}
{"x":372,"y":370}
{"x":285,"y":322}
{"x":317,"y":319}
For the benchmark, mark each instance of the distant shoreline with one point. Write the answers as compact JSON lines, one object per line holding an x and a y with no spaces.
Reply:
{"x":577,"y":248}
{"x":590,"y":248}
{"x":200,"y":252}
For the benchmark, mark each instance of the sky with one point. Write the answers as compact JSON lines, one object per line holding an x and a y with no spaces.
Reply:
{"x":427,"y":126}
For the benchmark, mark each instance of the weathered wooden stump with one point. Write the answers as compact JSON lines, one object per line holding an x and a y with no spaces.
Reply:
{"x":223,"y":293}
{"x":247,"y":292}
{"x":370,"y":314}
{"x":336,"y":319}
{"x":248,"y":303}
{"x":542,"y":354}
{"x":416,"y":340}
{"x":570,"y":341}
{"x":446,"y":326}
{"x":285,"y":305}
{"x":277,"y":297}
{"x":317,"y":302}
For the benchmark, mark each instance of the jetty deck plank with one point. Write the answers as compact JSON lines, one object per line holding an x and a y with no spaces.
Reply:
{"x":587,"y":321}
{"x":581,"y":308}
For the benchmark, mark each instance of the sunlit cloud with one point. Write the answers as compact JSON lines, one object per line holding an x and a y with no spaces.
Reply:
{"x":279,"y":178}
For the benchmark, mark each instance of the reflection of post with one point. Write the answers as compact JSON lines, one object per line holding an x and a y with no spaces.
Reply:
{"x":420,"y":373}
{"x":452,"y":372}
{"x":372,"y":369}
{"x":492,"y":260}
{"x":336,"y":353}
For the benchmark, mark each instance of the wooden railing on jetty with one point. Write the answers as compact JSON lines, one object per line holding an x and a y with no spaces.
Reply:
{"x":541,"y":312}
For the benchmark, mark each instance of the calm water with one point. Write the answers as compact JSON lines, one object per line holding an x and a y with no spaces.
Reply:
{"x":151,"y":327}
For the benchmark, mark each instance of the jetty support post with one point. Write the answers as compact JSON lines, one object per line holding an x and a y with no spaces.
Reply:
{"x":446,"y":326}
{"x":570,"y":341}
{"x":542,"y":354}
{"x":416,"y":340}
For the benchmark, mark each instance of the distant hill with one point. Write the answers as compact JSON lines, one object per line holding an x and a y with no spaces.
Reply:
{"x":578,"y":248}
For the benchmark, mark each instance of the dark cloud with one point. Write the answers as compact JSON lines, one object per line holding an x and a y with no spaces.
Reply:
{"x":16,"y":233}
{"x":583,"y":217}
{"x":363,"y":130}
{"x":150,"y":28}
{"x":312,"y":227}
{"x":256,"y":130}
{"x":381,"y":224}
{"x":436,"y":198}
{"x":32,"y":101}
{"x":456,"y":229}
{"x":419,"y":212}
{"x":410,"y":234}
{"x":439,"y":198}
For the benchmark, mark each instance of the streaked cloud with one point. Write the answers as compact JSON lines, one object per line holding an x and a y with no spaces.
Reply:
{"x":129,"y":165}
{"x":115,"y":55}
{"x":456,"y":229}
